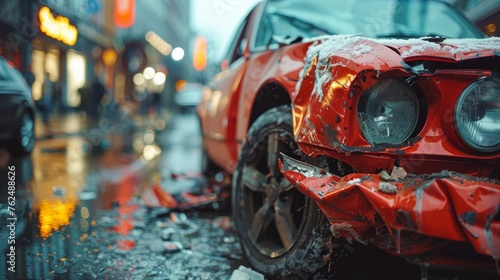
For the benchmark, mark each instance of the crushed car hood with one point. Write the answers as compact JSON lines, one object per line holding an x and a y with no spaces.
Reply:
{"x":447,"y":49}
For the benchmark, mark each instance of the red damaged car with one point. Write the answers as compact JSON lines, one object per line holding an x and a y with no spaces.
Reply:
{"x":373,"y":122}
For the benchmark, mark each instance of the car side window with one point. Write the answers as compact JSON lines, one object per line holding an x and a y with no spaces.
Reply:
{"x":238,"y":44}
{"x":265,"y":30}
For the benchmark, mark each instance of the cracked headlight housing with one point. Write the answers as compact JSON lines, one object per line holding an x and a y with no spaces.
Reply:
{"x":477,"y":115}
{"x":388,"y":112}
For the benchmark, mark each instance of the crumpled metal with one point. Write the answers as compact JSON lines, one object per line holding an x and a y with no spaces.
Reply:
{"x":410,"y":216}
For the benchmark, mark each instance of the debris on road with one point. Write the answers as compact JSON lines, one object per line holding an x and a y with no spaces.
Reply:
{"x":245,"y":273}
{"x":196,"y":191}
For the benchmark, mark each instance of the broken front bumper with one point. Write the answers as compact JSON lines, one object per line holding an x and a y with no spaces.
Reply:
{"x":415,"y":216}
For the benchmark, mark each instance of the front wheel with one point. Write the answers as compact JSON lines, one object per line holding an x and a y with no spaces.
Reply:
{"x":282,"y":232}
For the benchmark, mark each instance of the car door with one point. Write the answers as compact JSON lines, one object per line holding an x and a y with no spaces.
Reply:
{"x":220,"y":109}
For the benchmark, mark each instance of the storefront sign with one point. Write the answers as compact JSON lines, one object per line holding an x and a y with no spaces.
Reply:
{"x":124,"y":13}
{"x":58,"y":27}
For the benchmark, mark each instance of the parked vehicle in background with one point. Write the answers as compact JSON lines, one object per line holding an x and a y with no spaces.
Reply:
{"x":188,"y":97}
{"x":17,"y":121}
{"x":375,"y":112}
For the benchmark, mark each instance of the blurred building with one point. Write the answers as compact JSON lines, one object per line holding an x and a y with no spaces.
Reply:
{"x":159,"y":31}
{"x":71,"y":40}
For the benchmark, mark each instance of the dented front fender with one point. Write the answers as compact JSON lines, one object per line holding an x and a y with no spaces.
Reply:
{"x":408,"y":216}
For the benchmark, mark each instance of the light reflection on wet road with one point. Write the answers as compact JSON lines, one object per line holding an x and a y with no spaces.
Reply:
{"x":83,"y":217}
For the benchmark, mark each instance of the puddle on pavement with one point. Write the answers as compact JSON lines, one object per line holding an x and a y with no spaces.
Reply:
{"x":85,"y":220}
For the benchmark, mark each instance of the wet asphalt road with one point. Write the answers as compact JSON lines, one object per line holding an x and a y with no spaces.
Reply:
{"x":81,"y":210}
{"x":86,"y":208}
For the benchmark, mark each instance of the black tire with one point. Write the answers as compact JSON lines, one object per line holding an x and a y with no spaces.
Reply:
{"x":283,"y":234}
{"x":24,"y":142}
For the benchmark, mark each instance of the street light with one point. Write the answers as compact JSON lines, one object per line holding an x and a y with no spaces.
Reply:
{"x":139,"y":79}
{"x":177,"y":54}
{"x":159,"y":78}
{"x":149,"y":73}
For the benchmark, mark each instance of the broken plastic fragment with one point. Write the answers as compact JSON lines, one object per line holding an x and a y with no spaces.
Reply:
{"x":172,"y":246}
{"x":384,"y":175}
{"x":179,"y":219}
{"x":125,"y":244}
{"x":164,"y":198}
{"x":387,"y":188}
{"x":398,"y":173}
{"x":245,"y":273}
{"x":229,"y":239}
{"x":167,"y":234}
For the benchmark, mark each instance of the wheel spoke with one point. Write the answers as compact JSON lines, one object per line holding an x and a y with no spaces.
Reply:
{"x":286,"y":226}
{"x":261,"y":221}
{"x":253,"y":179}
{"x":272,"y":153}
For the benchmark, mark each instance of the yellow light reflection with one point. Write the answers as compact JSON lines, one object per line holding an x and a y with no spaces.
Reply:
{"x":149,"y":136}
{"x":53,"y":215}
{"x":491,"y":28}
{"x":109,"y":57}
{"x":150,"y":152}
{"x":180,"y":85}
{"x":84,"y":212}
{"x":84,"y":225}
{"x":336,"y":87}
{"x":160,"y":124}
{"x":216,"y":95}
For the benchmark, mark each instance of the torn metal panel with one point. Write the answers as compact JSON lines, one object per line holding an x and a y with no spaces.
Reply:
{"x":439,"y":208}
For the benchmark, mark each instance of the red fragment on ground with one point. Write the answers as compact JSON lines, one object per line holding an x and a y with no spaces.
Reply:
{"x":125,"y":244}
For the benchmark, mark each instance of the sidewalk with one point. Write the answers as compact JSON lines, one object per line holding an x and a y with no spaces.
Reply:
{"x":71,"y":123}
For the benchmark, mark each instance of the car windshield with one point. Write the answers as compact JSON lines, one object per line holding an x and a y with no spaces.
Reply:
{"x":369,"y":18}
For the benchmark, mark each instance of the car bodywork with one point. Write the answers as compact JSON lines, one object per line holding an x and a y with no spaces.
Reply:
{"x":414,"y":198}
{"x":18,"y":109}
{"x":431,"y":210}
{"x":415,"y":215}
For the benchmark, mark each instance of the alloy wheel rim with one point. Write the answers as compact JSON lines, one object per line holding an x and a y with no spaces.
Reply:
{"x":274,"y":210}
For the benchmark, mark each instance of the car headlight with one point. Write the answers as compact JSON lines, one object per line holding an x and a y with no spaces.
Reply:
{"x":477,"y":115}
{"x":388,"y":112}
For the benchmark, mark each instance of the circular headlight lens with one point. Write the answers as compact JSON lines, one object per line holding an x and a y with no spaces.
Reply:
{"x":388,"y":112}
{"x":477,"y":115}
